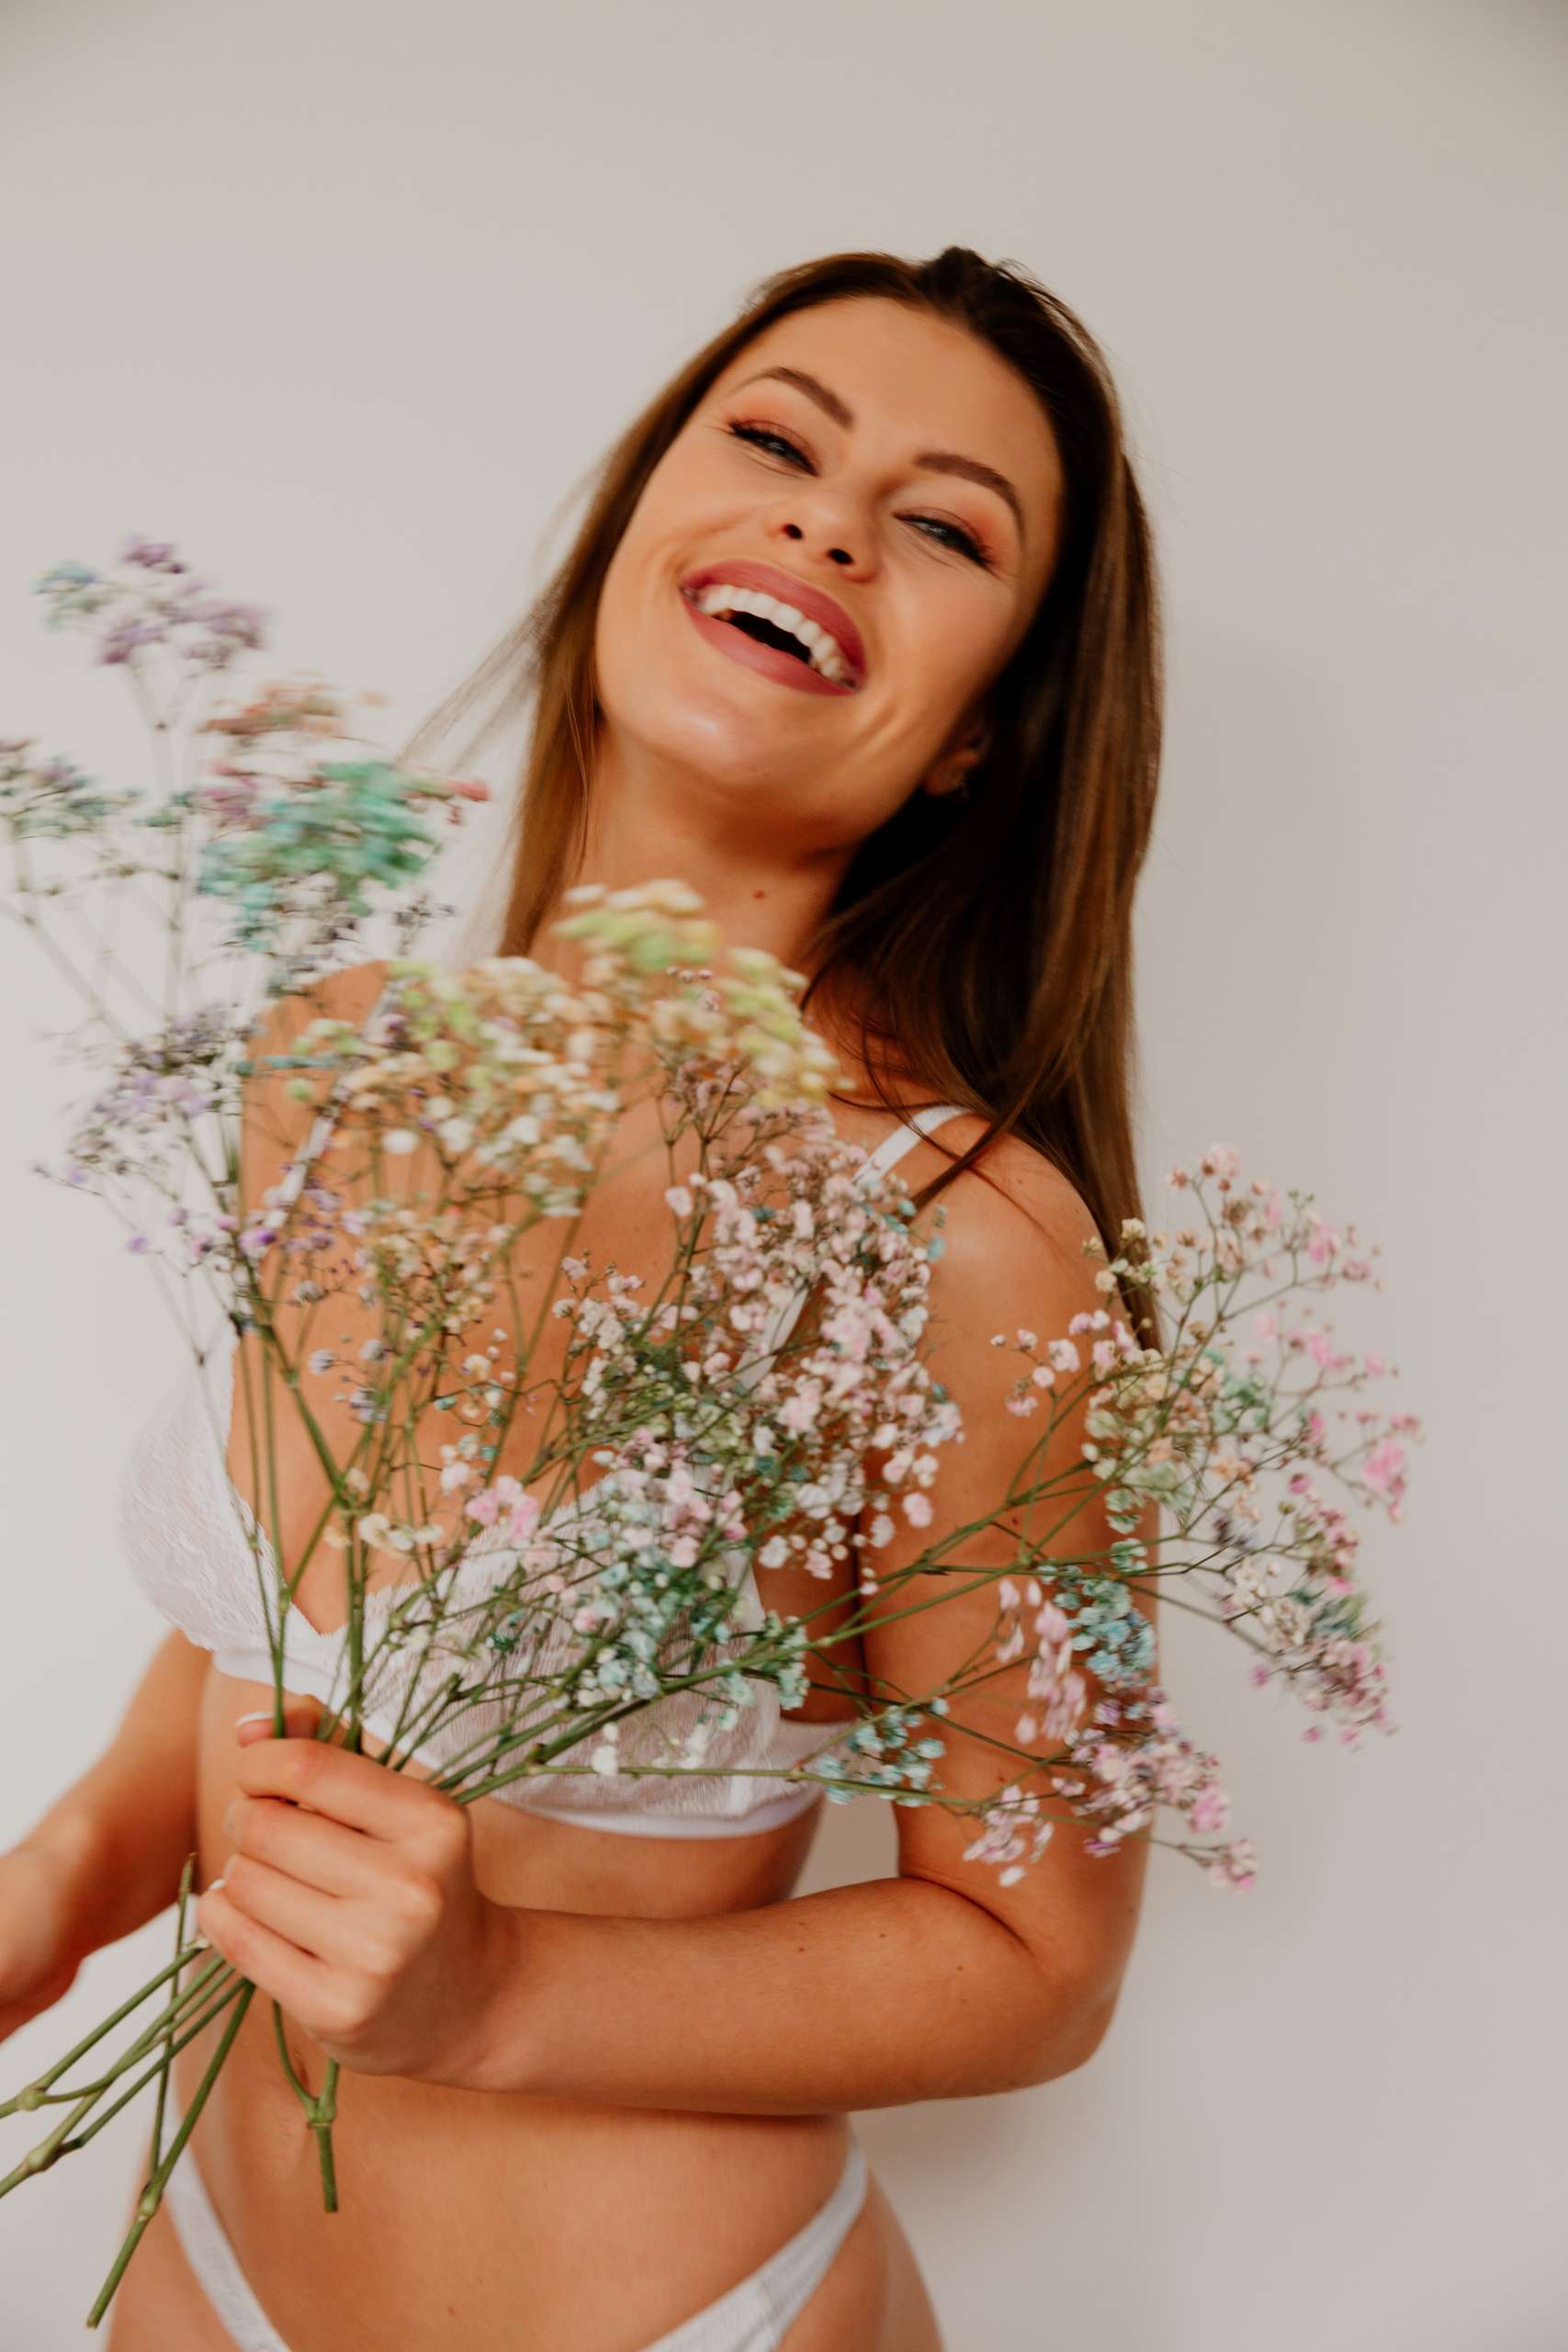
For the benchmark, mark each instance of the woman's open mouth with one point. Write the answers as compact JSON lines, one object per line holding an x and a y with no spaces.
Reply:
{"x":764,"y":633}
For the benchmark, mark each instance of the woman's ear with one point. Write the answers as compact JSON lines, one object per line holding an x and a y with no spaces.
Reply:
{"x":950,"y":773}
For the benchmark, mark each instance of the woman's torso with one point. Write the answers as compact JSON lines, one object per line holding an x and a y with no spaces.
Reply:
{"x":498,"y":2221}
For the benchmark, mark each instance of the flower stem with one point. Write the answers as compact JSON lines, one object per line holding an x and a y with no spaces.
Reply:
{"x":320,"y":2110}
{"x":38,"y":2094}
{"x":152,"y":2195}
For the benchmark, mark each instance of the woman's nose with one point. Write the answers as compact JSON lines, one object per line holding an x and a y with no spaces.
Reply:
{"x":833,"y":554}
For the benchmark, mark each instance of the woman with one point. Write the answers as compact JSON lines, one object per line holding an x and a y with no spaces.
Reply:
{"x":934,"y":802}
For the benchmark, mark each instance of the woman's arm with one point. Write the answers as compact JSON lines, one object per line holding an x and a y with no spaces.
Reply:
{"x":858,"y":1996}
{"x":944,"y":1981}
{"x":124,"y":1828}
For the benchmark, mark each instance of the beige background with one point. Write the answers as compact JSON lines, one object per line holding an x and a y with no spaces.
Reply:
{"x":344,"y":298}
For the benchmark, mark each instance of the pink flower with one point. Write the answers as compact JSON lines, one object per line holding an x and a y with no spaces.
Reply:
{"x":1383,"y":1467}
{"x":523,"y":1518}
{"x":1210,"y":1809}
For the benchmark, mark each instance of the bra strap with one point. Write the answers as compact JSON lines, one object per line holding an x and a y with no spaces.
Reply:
{"x":891,"y":1149}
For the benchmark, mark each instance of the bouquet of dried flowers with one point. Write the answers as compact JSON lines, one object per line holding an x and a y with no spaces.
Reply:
{"x":616,"y":1624}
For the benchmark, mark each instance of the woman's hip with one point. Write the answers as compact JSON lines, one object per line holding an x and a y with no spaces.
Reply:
{"x":822,"y":2290}
{"x":518,"y":2236}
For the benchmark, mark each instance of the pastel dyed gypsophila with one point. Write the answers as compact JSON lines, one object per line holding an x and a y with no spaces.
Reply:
{"x":150,"y":600}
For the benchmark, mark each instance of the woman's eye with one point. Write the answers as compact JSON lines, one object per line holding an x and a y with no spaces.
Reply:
{"x":963,"y":541}
{"x":761,"y":433}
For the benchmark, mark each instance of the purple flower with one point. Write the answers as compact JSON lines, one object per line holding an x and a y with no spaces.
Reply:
{"x":155,"y":555}
{"x":121,"y":641}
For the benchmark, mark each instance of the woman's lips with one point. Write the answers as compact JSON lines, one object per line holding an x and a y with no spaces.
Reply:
{"x":787,"y":668}
{"x":746,"y":572}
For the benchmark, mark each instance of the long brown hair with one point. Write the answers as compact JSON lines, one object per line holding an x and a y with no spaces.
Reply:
{"x":988,"y":933}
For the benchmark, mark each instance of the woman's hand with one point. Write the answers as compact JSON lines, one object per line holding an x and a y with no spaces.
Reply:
{"x":349,"y":1897}
{"x":42,"y":1941}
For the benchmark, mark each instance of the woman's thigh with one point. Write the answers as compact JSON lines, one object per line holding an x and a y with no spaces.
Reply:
{"x":160,"y":2303}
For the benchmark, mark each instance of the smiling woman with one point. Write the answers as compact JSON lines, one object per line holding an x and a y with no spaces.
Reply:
{"x":822,"y":483}
{"x":939,"y":446}
{"x":860,"y":638}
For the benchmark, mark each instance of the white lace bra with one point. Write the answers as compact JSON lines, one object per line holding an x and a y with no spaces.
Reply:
{"x":198,"y":1555}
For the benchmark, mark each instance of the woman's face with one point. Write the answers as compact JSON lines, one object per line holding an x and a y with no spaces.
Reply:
{"x":876,"y":472}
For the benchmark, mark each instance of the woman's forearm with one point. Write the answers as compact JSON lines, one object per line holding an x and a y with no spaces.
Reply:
{"x":125,"y":1828}
{"x":860,"y":1996}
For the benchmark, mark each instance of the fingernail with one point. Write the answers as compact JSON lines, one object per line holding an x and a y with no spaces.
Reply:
{"x":260,"y":1716}
{"x":216,"y":1882}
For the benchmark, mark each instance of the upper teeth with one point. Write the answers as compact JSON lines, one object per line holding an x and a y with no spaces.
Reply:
{"x":821,"y":647}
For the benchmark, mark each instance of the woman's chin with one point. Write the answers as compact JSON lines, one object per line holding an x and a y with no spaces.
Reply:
{"x":722,"y":750}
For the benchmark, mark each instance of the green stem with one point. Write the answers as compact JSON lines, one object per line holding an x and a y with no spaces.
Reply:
{"x":152,"y":2195}
{"x":186,"y":1876}
{"x":320,"y":2111}
{"x":199,"y":2024}
{"x":37,"y":2093}
{"x":322,"y":2125}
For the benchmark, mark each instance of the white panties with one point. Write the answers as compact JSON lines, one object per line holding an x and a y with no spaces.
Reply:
{"x":751,"y":2317}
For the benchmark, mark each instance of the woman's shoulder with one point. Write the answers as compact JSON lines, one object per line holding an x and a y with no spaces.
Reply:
{"x":1027,"y":1181}
{"x":349,"y":993}
{"x":1012,"y":1186}
{"x":346,"y":994}
{"x":1012,"y":1199}
{"x":274,"y":1122}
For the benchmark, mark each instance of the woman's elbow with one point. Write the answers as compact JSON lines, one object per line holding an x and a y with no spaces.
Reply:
{"x":1065,"y":2031}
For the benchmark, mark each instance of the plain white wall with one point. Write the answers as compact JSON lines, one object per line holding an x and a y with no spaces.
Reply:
{"x":344,"y":298}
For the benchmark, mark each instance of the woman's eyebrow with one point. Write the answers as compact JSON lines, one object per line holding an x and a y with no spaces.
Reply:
{"x":941,"y":461}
